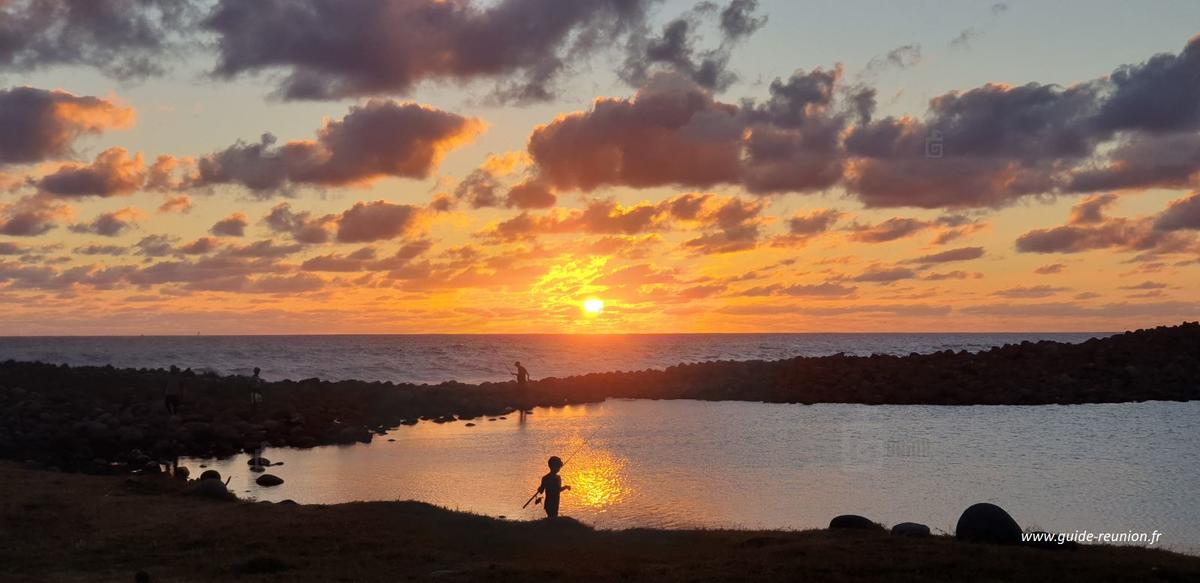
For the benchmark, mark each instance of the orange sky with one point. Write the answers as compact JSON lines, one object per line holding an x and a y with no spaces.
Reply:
{"x":808,"y":197}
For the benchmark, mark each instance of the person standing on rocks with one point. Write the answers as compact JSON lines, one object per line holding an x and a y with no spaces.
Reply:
{"x":171,"y":391}
{"x":522,"y":389}
{"x":256,"y":397}
{"x":551,"y":487}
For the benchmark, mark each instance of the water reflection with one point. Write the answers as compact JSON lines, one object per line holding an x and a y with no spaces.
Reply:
{"x":597,"y":478}
{"x":754,"y":465}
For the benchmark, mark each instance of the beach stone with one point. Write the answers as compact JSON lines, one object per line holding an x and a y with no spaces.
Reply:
{"x":853,"y":522}
{"x":210,"y":475}
{"x":214,"y":489}
{"x":182,"y":473}
{"x":987,"y":523}
{"x":911,"y":529}
{"x":268,"y":480}
{"x":258,"y":461}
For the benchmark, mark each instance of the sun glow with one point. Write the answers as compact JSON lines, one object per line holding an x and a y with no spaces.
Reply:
{"x":593,"y":306}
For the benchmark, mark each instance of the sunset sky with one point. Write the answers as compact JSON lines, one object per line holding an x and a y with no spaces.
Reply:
{"x":354,"y":166}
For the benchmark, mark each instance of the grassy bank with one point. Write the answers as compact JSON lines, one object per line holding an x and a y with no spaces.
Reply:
{"x":72,"y":527}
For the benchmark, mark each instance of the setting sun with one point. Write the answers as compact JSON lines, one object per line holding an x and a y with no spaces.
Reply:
{"x":593,"y":306}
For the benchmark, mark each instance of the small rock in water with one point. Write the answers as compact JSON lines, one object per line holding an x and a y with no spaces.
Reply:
{"x":210,"y":475}
{"x":503,"y":417}
{"x":257,"y":469}
{"x":470,"y":425}
{"x":391,"y":440}
{"x":268,"y":480}
{"x":258,"y":461}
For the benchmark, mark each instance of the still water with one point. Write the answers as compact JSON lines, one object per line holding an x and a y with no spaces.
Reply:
{"x":677,"y":464}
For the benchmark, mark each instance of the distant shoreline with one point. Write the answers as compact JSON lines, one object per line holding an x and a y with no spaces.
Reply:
{"x":105,"y":419}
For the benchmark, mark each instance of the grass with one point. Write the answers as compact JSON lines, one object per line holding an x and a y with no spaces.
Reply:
{"x":68,"y":527}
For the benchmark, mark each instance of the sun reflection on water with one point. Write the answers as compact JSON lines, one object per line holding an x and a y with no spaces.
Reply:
{"x":597,"y":478}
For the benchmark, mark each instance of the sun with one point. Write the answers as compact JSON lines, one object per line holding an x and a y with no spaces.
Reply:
{"x":593,"y":306}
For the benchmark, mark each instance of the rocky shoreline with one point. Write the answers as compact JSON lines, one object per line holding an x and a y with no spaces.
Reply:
{"x":108,"y":420}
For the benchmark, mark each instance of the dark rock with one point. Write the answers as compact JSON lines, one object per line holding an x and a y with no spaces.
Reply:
{"x":853,"y":522}
{"x":268,"y":480}
{"x":214,"y":489}
{"x":210,"y":475}
{"x":987,"y":523}
{"x":258,"y":461}
{"x":911,"y":529}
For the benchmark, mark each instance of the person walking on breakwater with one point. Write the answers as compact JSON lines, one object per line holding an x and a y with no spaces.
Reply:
{"x":171,"y":391}
{"x":552,"y":486}
{"x":521,"y":374}
{"x":255,"y":389}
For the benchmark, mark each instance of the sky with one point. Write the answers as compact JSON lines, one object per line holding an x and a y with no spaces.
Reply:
{"x":469,"y":166}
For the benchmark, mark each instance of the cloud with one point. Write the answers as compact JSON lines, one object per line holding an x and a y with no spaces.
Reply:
{"x":674,"y":48}
{"x":379,"y":139}
{"x":1036,"y":291}
{"x":303,"y":226}
{"x":672,"y":132}
{"x":1180,"y":215}
{"x":827,"y":289}
{"x":40,"y":125}
{"x":232,"y":226}
{"x":1050,"y":269}
{"x":176,"y":204}
{"x":959,"y":254}
{"x":111,"y":224}
{"x":123,"y":38}
{"x":376,"y":221}
{"x":1088,"y":228}
{"x":30,"y":216}
{"x":879,"y":274}
{"x":112,"y":173}
{"x":332,"y":49}
{"x":889,"y":230}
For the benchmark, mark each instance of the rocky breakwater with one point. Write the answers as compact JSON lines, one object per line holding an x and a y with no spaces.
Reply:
{"x":103,"y":419}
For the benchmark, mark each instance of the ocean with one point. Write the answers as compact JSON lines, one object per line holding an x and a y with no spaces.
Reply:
{"x":433,"y":358}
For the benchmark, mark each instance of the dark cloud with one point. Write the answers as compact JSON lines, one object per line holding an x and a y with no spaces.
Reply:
{"x":30,"y":216}
{"x":303,"y":226}
{"x":1180,"y":214}
{"x":376,"y":221}
{"x":880,"y":274}
{"x":675,"y":49}
{"x":1089,"y":228}
{"x":200,"y":246}
{"x":674,"y":133}
{"x":123,"y":38}
{"x":231,"y":226}
{"x":330,"y":49}
{"x":827,"y":289}
{"x":889,"y":230}
{"x":960,"y":254}
{"x":1036,"y":291}
{"x":40,"y":125}
{"x":1160,"y":95}
{"x":10,"y":248}
{"x":1050,"y":269}
{"x":1138,"y":162}
{"x":110,"y":224}
{"x":112,"y":173}
{"x":530,"y":194}
{"x":379,"y":139}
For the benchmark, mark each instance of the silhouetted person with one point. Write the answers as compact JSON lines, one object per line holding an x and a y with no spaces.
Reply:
{"x":552,"y":486}
{"x":171,"y":391}
{"x":521,"y":374}
{"x":255,"y":384}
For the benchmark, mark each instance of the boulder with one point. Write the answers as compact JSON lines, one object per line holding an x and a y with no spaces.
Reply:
{"x":853,"y":522}
{"x":210,"y":475}
{"x":987,"y":523}
{"x":268,"y":480}
{"x":214,"y":489}
{"x":258,"y":461}
{"x":911,"y":529}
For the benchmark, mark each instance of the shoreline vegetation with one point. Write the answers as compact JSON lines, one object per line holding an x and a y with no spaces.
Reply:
{"x":108,"y":420}
{"x":73,"y":527}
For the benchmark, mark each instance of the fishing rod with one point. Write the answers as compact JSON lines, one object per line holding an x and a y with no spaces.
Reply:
{"x":583,"y":443}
